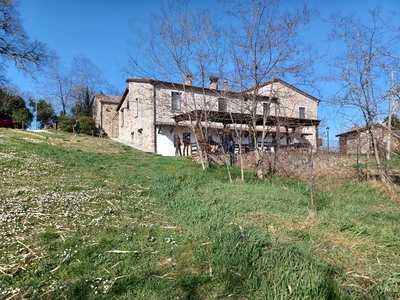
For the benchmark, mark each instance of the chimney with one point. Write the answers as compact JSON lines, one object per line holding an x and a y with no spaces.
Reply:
{"x":214,"y":82}
{"x":188,"y":79}
{"x":226,"y":86}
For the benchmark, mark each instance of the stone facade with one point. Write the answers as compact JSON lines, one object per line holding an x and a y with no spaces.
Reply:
{"x":105,"y":108}
{"x":136,"y":117}
{"x":145,"y":113}
{"x":291,"y":101}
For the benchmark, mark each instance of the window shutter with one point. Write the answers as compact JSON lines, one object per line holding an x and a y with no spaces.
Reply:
{"x":302,"y":112}
{"x":222,"y":105}
{"x":176,"y":99}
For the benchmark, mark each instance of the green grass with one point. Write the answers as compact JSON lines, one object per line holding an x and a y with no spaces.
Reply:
{"x":89,"y":218}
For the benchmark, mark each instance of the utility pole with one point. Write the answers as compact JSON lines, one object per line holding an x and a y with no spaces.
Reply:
{"x":389,"y":125}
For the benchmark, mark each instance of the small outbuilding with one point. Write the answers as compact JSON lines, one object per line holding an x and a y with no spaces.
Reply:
{"x":358,"y":140}
{"x":105,"y":109}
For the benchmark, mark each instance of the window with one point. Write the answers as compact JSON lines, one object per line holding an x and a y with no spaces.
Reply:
{"x":122,"y":117}
{"x":186,"y":138}
{"x":176,"y":99}
{"x":137,"y":108}
{"x":222,"y":105}
{"x":302,"y":112}
{"x":266,"y":109}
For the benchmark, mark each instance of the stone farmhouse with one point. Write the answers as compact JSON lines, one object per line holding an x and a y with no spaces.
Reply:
{"x":358,"y":140}
{"x":151,"y":112}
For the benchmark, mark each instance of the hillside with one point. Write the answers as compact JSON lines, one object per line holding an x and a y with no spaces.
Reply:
{"x":83,"y":217}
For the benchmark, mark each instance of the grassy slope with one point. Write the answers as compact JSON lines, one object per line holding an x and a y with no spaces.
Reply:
{"x":70,"y":207}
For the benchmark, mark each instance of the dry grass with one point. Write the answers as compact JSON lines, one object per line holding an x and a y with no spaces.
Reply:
{"x":296,"y":163}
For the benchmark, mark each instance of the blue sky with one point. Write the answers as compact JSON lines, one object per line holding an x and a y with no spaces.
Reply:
{"x":103,"y":30}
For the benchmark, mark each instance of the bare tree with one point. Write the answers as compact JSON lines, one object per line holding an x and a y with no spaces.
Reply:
{"x":57,"y":85}
{"x":15,"y":46}
{"x":265,"y":44}
{"x":186,"y":42}
{"x":86,"y":81}
{"x":362,"y":69}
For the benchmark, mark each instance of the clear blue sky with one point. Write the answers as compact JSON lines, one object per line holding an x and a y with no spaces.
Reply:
{"x":103,"y":31}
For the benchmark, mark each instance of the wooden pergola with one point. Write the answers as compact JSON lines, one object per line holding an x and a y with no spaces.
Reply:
{"x":227,"y":118}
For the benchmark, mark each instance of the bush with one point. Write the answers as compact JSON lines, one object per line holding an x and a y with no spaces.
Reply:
{"x":66,"y":123}
{"x":87,"y":125}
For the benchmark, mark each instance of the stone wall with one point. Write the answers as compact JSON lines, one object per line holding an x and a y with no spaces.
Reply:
{"x":136,"y":117}
{"x":109,"y":111}
{"x":289,"y":103}
{"x":103,"y":112}
{"x":190,"y":101}
{"x":360,"y":142}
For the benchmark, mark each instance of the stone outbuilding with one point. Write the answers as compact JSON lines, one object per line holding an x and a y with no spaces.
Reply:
{"x":358,"y":140}
{"x":104,"y":111}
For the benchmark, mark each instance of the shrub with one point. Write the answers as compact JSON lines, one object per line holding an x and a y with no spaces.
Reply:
{"x":87,"y":125}
{"x":66,"y":123}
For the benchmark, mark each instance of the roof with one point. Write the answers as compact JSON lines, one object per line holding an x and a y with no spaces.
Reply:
{"x":396,"y":133}
{"x":196,"y":89}
{"x":209,"y":91}
{"x":290,"y":86}
{"x":108,"y":99}
{"x":240,"y":118}
{"x":122,"y":99}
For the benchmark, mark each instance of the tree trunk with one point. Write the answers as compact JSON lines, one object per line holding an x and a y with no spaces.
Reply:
{"x":199,"y":136}
{"x":381,"y":173}
{"x":259,"y":164}
{"x":241,"y":159}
